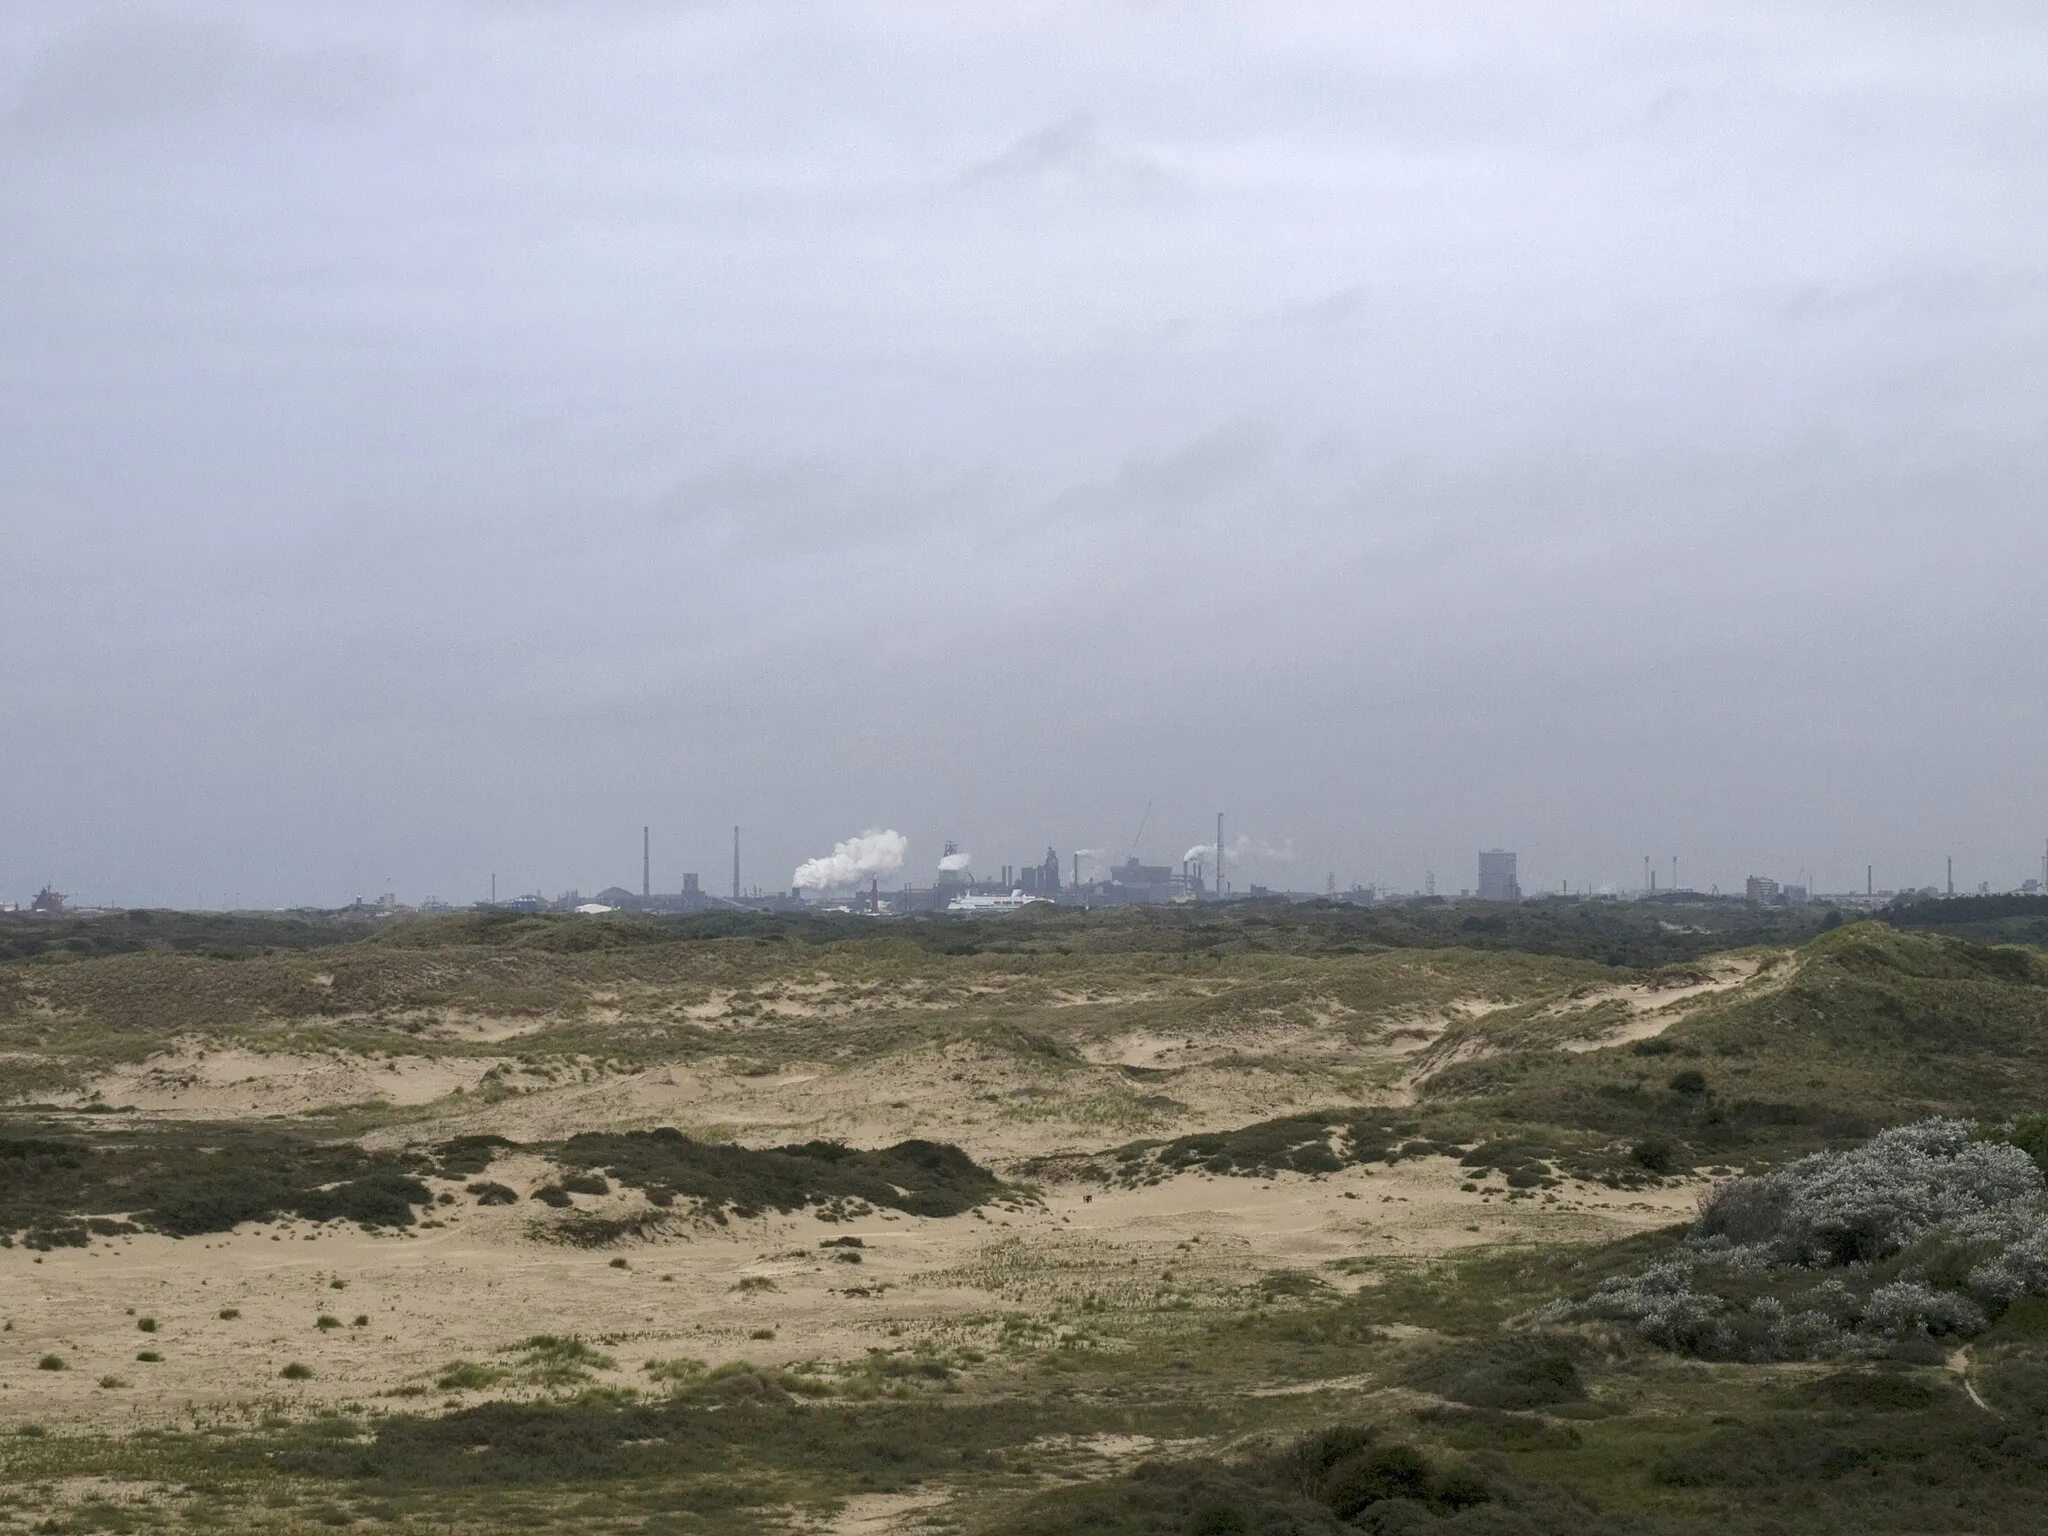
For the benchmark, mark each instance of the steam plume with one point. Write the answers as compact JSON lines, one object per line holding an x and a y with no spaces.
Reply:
{"x":1242,"y":848}
{"x":953,"y":863}
{"x":871,"y":855}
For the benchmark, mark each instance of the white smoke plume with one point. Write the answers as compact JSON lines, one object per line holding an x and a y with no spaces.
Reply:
{"x":870,"y":856}
{"x":1242,"y":849}
{"x":1269,"y":853}
{"x":953,"y":863}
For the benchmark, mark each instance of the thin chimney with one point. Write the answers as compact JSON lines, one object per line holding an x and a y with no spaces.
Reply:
{"x":646,"y":864}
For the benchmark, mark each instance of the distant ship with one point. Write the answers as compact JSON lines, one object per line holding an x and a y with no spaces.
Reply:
{"x":1016,"y":901}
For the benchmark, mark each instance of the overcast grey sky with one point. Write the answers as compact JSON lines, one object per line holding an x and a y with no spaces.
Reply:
{"x":441,"y":438}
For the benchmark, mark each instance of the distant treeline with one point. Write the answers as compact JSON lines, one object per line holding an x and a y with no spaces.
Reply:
{"x":1638,"y":934}
{"x":1986,"y":919}
{"x":1633,"y":934}
{"x":226,"y":935}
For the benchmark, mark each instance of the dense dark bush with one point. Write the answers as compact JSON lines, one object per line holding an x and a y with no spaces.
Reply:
{"x":1655,"y":1155}
{"x":1374,"y":1473}
{"x":189,"y":1179}
{"x":1324,"y":1141}
{"x":467,"y":1156}
{"x":1508,"y":1372}
{"x":924,"y":1178}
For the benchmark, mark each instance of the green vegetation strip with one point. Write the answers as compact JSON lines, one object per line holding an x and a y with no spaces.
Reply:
{"x":58,"y":1190}
{"x":922,"y":1178}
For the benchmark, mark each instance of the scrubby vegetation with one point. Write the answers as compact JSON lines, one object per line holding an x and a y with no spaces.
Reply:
{"x":59,"y":1190}
{"x":221,"y":935}
{"x":1324,"y":1141}
{"x":923,"y":1178}
{"x":1927,"y":1233}
{"x":1869,"y":1281}
{"x":1348,"y":1477}
{"x":1984,"y":919}
{"x":1636,"y":934}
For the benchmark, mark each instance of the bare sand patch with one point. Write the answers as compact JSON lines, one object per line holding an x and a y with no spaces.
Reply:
{"x":408,"y":1304}
{"x":880,"y":1514}
{"x":1657,"y":1009}
{"x":472,"y":1029}
{"x":232,"y":1081}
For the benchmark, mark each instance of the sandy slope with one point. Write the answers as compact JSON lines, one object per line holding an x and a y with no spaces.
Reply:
{"x":477,"y":1281}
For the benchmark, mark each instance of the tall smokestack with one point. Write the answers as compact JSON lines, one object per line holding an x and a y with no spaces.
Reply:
{"x":1219,"y":855}
{"x":735,"y":863}
{"x":646,"y":864}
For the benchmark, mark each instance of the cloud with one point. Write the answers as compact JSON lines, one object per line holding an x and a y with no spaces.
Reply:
{"x":1072,"y":157}
{"x":140,"y":69}
{"x":1265,"y":412}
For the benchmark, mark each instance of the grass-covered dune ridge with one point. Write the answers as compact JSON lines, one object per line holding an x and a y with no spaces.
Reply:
{"x":1864,"y":1027}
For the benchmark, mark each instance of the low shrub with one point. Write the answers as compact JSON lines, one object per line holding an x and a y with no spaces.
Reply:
{"x":1510,"y":1372}
{"x":1926,"y":1232}
{"x":922,"y":1178}
{"x":191,"y":1179}
{"x":469,"y":1376}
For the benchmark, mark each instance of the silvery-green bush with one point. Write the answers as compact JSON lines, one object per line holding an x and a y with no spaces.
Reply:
{"x":1866,"y":1204}
{"x":1838,"y":1253}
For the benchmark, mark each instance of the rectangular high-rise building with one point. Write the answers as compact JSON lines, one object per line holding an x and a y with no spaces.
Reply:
{"x":1497,"y":876}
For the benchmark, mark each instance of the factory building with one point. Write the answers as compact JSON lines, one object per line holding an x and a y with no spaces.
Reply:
{"x":1497,"y":876}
